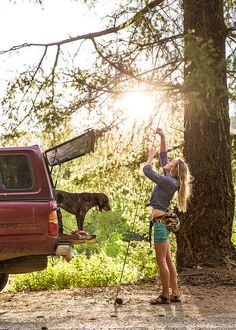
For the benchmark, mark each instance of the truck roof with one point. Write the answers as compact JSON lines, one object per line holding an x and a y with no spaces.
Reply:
{"x":33,"y":147}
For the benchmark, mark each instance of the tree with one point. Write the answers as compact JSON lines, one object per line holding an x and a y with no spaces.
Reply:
{"x":205,"y":236}
{"x":183,"y":49}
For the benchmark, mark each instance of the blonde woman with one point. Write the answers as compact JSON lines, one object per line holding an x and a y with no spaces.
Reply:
{"x":176,"y":178}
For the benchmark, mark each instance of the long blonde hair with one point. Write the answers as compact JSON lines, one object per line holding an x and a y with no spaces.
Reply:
{"x":181,"y":172}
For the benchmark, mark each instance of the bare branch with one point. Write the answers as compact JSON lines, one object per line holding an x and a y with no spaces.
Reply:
{"x":54,"y":69}
{"x":90,"y":86}
{"x":40,"y":63}
{"x":117,"y":67}
{"x":161,"y":41}
{"x":55,"y":62}
{"x":91,"y":35}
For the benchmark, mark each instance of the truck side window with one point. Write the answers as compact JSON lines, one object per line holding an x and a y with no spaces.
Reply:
{"x":15,"y":172}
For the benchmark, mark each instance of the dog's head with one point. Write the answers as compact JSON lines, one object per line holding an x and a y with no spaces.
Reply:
{"x":103,"y":202}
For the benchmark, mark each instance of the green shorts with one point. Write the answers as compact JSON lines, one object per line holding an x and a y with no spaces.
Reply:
{"x":161,"y":233}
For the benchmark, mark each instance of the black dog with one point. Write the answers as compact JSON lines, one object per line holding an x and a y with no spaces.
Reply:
{"x":80,"y":203}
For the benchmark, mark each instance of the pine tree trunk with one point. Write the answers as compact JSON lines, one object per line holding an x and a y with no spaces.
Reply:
{"x":206,"y":228}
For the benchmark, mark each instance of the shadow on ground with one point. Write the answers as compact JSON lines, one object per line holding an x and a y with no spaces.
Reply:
{"x":205,"y":304}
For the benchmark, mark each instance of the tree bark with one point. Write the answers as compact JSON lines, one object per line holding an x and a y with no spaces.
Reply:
{"x":206,"y":228}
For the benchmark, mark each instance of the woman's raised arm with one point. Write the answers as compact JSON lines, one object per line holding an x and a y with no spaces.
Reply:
{"x":160,"y":132}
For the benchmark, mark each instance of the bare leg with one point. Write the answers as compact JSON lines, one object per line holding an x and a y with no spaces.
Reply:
{"x":161,"y":258}
{"x":173,"y":274}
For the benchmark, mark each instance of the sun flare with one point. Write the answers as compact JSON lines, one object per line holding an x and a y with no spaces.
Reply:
{"x":136,"y":106}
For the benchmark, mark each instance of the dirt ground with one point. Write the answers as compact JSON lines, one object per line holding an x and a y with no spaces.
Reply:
{"x":208,"y":302}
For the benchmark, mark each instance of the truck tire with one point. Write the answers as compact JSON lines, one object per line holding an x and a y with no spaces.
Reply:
{"x":3,"y":280}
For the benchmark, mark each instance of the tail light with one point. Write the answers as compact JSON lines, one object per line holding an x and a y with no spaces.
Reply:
{"x":53,"y":224}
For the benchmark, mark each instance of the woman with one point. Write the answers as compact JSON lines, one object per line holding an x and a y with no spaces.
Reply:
{"x":176,"y":178}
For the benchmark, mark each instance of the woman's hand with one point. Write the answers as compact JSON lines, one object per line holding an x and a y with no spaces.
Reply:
{"x":152,"y":153}
{"x":160,"y":132}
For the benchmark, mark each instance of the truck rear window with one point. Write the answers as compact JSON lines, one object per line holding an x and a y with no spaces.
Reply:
{"x":15,"y":172}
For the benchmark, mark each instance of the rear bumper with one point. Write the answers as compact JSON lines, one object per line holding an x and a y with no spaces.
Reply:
{"x":65,"y":246}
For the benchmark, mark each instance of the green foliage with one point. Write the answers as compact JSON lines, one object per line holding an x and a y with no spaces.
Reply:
{"x":104,"y":224}
{"x":233,"y":156}
{"x":116,"y":171}
{"x":143,"y":257}
{"x":109,"y":228}
{"x":149,"y":51}
{"x":99,"y":269}
{"x":203,"y":78}
{"x":233,"y":238}
{"x":146,"y":49}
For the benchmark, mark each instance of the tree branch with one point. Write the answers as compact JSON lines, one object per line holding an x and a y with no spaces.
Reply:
{"x":54,"y":69}
{"x":91,"y":35}
{"x":117,"y":67}
{"x":161,"y":41}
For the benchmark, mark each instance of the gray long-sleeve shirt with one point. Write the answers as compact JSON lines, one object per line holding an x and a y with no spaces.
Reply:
{"x":164,"y":188}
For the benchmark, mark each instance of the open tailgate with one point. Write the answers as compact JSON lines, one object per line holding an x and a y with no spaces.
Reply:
{"x":71,"y":149}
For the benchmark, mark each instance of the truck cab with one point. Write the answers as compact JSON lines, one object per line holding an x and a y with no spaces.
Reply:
{"x":30,"y":220}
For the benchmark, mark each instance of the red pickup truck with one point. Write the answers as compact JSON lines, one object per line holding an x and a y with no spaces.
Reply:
{"x":30,"y":220}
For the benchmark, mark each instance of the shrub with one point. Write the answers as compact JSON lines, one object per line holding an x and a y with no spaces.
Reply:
{"x":99,"y":269}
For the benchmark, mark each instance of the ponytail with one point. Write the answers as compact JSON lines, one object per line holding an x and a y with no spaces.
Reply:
{"x":182,"y":173}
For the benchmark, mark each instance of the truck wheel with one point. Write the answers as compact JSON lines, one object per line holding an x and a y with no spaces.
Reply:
{"x":3,"y":280}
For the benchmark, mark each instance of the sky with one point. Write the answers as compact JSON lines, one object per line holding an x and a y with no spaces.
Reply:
{"x":27,"y":22}
{"x":23,"y":21}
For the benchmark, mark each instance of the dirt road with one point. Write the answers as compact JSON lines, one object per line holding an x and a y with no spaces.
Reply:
{"x":211,"y":306}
